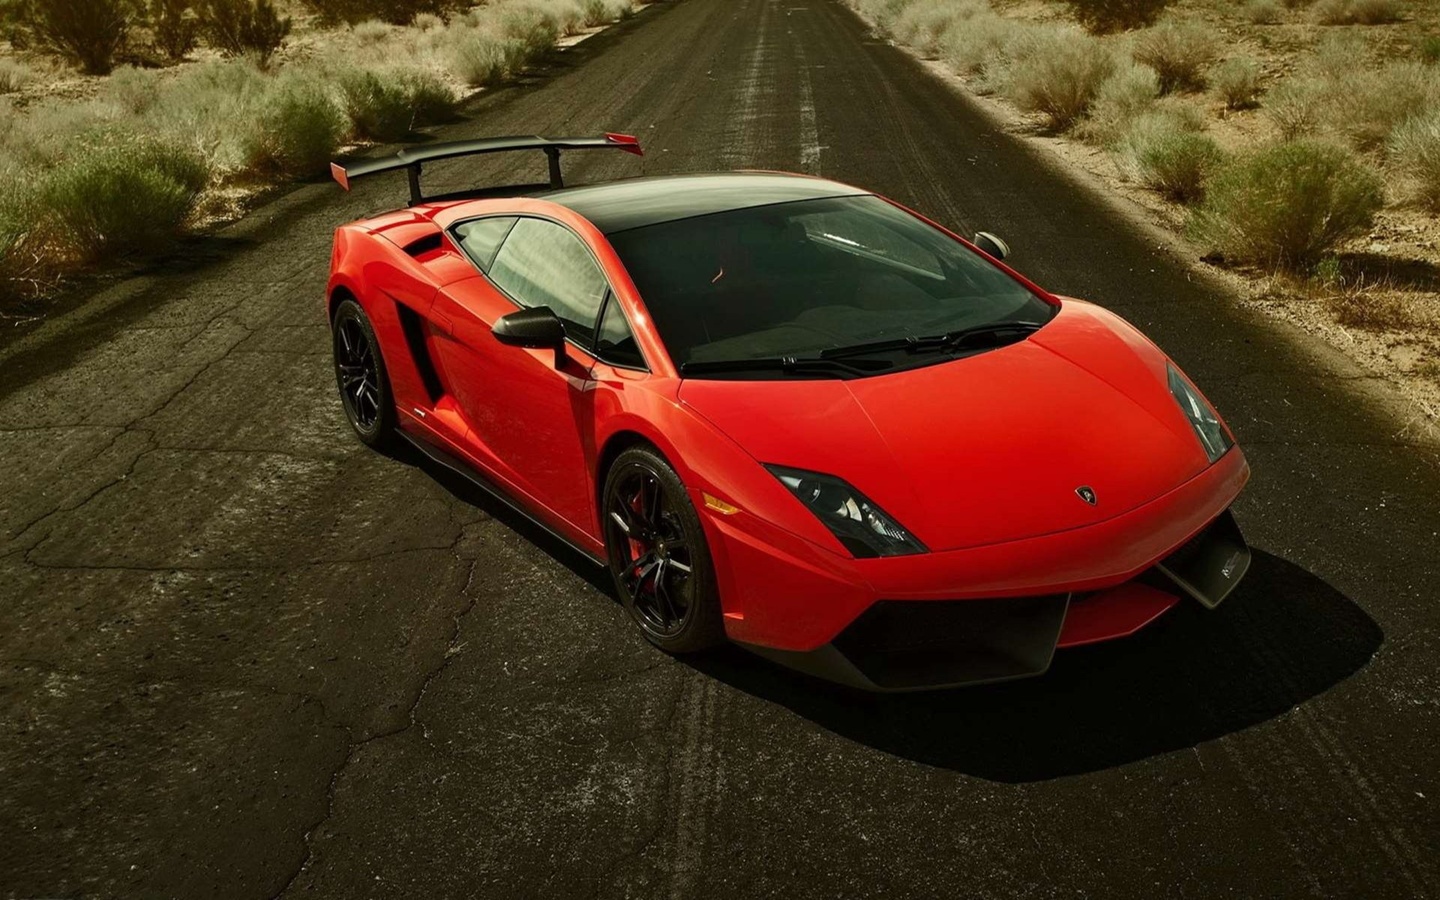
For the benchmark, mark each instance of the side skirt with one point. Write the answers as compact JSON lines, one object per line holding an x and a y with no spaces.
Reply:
{"x":457,"y":465}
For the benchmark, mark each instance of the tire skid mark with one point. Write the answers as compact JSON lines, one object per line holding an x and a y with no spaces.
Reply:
{"x":741,"y":137}
{"x":695,"y":779}
{"x":809,"y":129}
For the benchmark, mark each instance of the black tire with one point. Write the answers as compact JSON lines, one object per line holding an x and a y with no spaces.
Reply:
{"x":361,"y":377}
{"x":672,"y":597}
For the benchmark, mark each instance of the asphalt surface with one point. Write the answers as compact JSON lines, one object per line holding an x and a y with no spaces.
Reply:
{"x":241,"y":656}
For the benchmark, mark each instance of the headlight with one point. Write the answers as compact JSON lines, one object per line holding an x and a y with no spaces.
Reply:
{"x":860,"y":525}
{"x":1202,"y":417}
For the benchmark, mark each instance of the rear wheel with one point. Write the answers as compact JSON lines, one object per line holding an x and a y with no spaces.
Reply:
{"x":658,"y":555}
{"x":361,"y":377}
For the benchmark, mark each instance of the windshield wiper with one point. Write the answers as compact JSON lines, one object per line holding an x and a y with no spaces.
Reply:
{"x":796,"y":365}
{"x":950,"y":340}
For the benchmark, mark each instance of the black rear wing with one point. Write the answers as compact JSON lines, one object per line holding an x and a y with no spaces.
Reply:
{"x":412,"y":158}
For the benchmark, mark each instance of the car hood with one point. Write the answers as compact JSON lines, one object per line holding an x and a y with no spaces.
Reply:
{"x":986,"y":448}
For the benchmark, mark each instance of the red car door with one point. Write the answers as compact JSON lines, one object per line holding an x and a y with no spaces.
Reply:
{"x":530,"y":411}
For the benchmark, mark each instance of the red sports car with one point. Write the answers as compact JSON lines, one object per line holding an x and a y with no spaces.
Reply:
{"x":789,"y":413}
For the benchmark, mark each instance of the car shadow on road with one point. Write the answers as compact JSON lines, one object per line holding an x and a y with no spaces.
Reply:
{"x":1283,"y":637}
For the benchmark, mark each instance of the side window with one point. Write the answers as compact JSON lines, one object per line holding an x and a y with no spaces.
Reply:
{"x":616,"y":342}
{"x":480,"y":238}
{"x":544,"y":264}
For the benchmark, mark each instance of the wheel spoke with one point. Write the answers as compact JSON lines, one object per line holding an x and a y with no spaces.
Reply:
{"x":621,"y":521}
{"x":665,"y":606}
{"x":680,"y":566}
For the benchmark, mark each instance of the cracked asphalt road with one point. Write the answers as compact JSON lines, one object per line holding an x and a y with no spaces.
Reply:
{"x":242,"y":656}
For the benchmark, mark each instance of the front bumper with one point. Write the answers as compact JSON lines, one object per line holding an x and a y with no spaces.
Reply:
{"x":981,"y":614}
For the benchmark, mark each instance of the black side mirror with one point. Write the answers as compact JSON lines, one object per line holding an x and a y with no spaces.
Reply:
{"x":991,"y":244}
{"x":539,"y":328}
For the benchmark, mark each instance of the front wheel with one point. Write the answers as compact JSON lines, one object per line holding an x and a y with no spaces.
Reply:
{"x":360,"y":374}
{"x":658,"y":555}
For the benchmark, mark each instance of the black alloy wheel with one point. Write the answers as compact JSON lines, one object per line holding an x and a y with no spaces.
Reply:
{"x":658,"y":555}
{"x":361,"y":377}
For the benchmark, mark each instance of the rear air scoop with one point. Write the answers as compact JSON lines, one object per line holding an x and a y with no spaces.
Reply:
{"x":1008,"y":444}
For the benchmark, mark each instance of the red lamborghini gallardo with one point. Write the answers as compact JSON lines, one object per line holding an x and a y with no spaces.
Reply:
{"x":790,"y":413}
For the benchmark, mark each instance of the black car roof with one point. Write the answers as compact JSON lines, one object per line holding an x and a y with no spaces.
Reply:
{"x":649,"y":200}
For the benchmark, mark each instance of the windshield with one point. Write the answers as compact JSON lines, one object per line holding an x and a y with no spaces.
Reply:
{"x":810,"y":277}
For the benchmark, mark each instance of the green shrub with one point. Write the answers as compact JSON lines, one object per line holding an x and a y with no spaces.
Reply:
{"x":1288,"y":204}
{"x":175,"y":26}
{"x":299,"y":130}
{"x":432,"y":100}
{"x":1415,"y":151}
{"x":1237,"y":82}
{"x":1058,"y":73}
{"x":1179,"y":52}
{"x":1261,"y":12}
{"x":1164,"y":154}
{"x":120,"y":199}
{"x":241,"y":27}
{"x":1129,"y":92}
{"x":1357,"y":12}
{"x":378,"y":109}
{"x":1429,"y":49}
{"x":88,"y":33}
{"x":1106,"y":16}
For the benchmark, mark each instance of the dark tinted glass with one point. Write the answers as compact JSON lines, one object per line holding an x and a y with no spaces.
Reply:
{"x":616,"y":342}
{"x":545,"y":264}
{"x":793,"y":279}
{"x":480,"y":238}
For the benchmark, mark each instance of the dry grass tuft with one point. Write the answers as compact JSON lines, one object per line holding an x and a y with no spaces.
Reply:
{"x":1130,"y":91}
{"x":1165,"y":152}
{"x":1415,"y":152}
{"x":1179,"y":52}
{"x":1058,"y":72}
{"x":1237,"y":82}
{"x":1357,"y":12}
{"x":1262,"y":12}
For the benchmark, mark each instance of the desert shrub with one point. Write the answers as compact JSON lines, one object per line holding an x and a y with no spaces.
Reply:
{"x":1288,"y":204}
{"x":378,"y":108}
{"x":534,"y":27}
{"x":175,"y":26}
{"x":1429,"y":49}
{"x":1296,"y":4}
{"x":1357,"y":12}
{"x":119,"y":199}
{"x":598,"y":12}
{"x":1261,"y":12}
{"x":371,"y":32}
{"x":1179,"y":52}
{"x":428,"y":22}
{"x":1415,"y":151}
{"x":1058,"y":73}
{"x":236,"y":27}
{"x":14,"y":75}
{"x":979,"y":42}
{"x":923,"y":25}
{"x":1162,"y":152}
{"x":131,"y":90}
{"x":88,"y":33}
{"x":395,"y":12}
{"x":1366,"y":105}
{"x":1106,"y":16}
{"x":298,"y":131}
{"x":1295,"y":107}
{"x":481,"y":60}
{"x":1130,"y":91}
{"x":1237,"y":82}
{"x":431,"y":98}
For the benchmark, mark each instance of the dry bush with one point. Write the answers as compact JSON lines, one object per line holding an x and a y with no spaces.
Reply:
{"x":1128,"y":93}
{"x":1057,"y":72}
{"x":175,"y":27}
{"x":924,"y":24}
{"x":88,"y":33}
{"x":536,"y":27}
{"x":1261,"y":12}
{"x":1357,"y":12}
{"x":1106,"y":16}
{"x":1415,"y":152}
{"x":1288,"y":204}
{"x":1366,"y":105}
{"x":428,"y":22}
{"x":371,"y":32}
{"x":244,"y":27}
{"x":119,"y":199}
{"x":1370,"y":307}
{"x":1164,"y":153}
{"x":298,"y":132}
{"x":14,"y":75}
{"x":1237,"y":82}
{"x":1179,"y":52}
{"x":1429,"y":49}
{"x":482,"y":60}
{"x":1295,"y":107}
{"x":396,"y":12}
{"x":974,"y":46}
